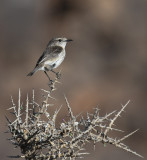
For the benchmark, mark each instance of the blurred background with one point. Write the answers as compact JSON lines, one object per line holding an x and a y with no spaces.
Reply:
{"x":105,"y":64}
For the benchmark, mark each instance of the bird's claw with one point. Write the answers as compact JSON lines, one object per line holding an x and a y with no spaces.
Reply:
{"x":58,"y":75}
{"x":50,"y":82}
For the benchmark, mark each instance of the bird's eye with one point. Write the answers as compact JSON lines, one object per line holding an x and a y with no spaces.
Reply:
{"x":59,"y":40}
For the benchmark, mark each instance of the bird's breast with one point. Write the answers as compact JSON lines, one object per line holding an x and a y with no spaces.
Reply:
{"x":60,"y":59}
{"x":54,"y":62}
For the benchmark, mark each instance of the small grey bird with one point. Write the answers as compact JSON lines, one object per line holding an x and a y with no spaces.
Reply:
{"x":52,"y":57}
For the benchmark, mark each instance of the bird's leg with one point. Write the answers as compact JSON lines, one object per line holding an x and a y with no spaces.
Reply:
{"x":58,"y":75}
{"x":48,"y":77}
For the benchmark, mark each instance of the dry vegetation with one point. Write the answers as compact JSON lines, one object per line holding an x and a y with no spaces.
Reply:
{"x":35,"y":132}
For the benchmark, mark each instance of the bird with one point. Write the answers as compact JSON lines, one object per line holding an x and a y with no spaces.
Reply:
{"x":52,"y":56}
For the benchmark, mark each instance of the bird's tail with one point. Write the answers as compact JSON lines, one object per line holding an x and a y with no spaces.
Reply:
{"x":31,"y":73}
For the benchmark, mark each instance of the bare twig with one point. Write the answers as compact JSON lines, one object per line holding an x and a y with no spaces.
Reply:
{"x":27,"y":111}
{"x":39,"y":138}
{"x":69,"y":109}
{"x":115,"y":117}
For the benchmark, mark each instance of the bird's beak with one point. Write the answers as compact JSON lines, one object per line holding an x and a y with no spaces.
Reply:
{"x":69,"y":40}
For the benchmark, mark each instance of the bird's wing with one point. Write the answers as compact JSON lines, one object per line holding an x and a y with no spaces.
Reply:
{"x":41,"y":59}
{"x":49,"y":54}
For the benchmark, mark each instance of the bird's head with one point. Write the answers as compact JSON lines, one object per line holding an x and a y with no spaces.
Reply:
{"x":59,"y":42}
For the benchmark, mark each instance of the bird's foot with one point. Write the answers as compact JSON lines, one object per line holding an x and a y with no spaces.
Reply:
{"x":58,"y":75}
{"x":51,"y":82}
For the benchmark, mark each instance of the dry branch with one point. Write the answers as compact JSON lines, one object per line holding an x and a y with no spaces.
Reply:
{"x":40,"y":139}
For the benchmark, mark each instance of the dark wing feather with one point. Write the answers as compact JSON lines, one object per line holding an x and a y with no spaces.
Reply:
{"x":41,"y":58}
{"x":50,"y":52}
